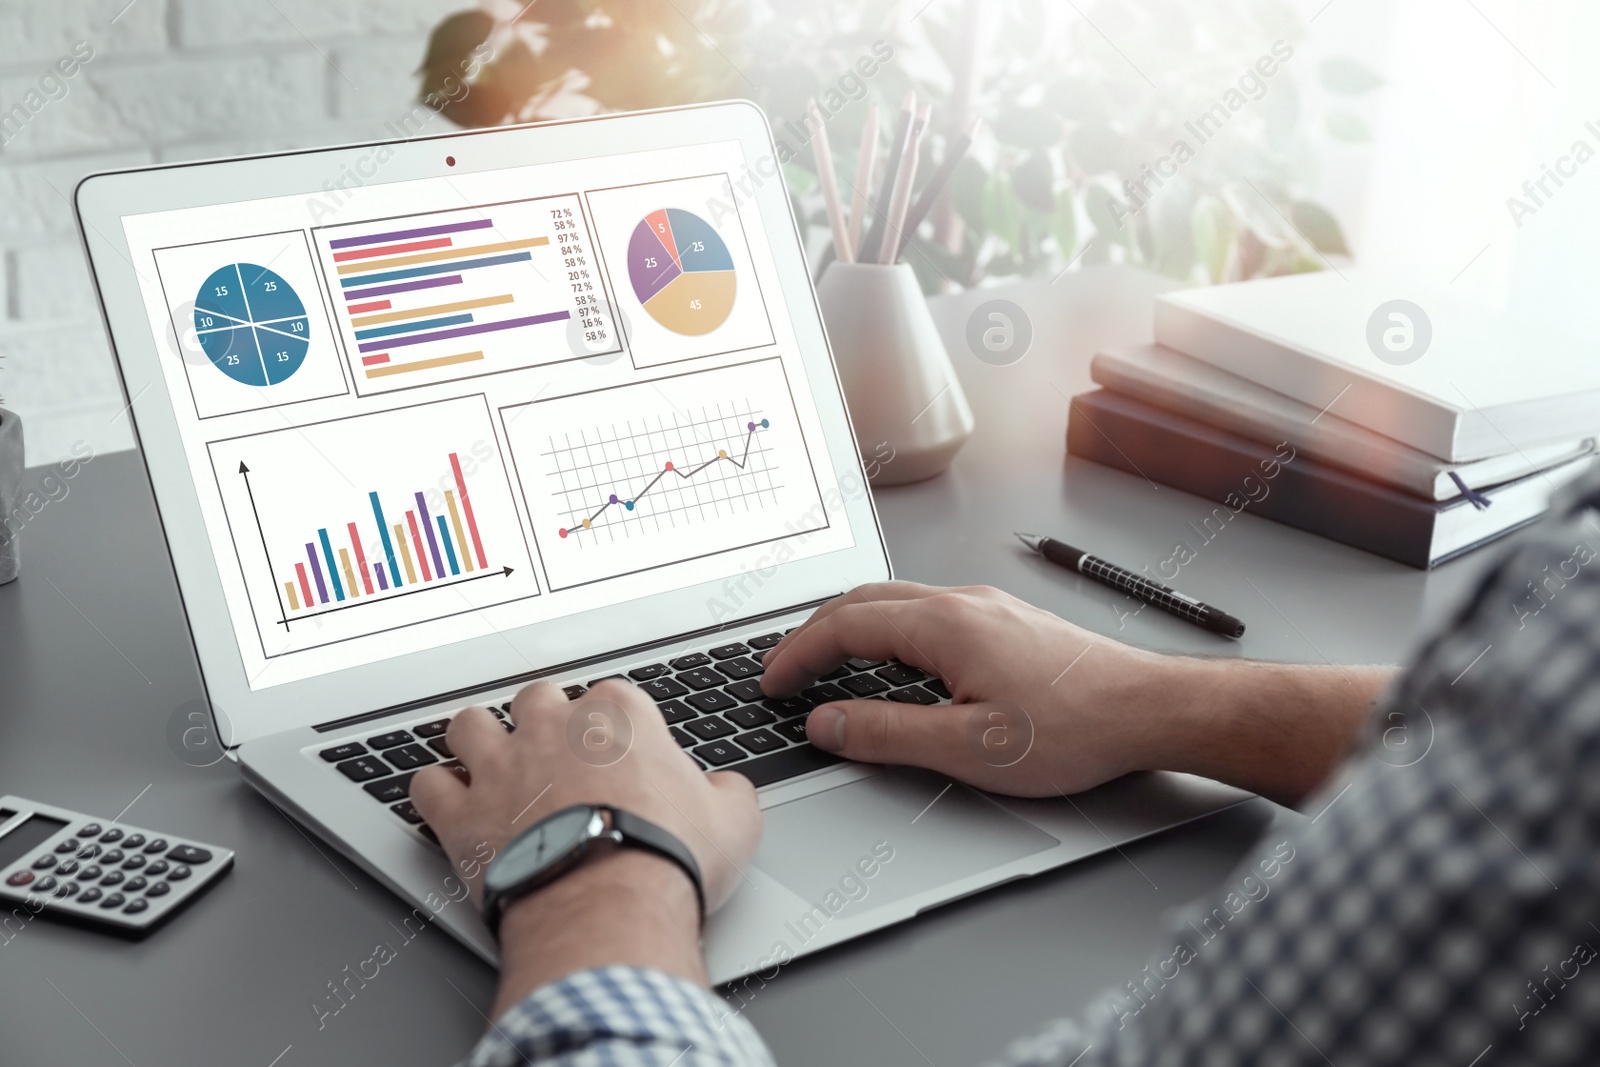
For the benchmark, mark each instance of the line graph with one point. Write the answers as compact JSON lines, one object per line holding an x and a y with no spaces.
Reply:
{"x":670,"y":468}
{"x":631,"y":478}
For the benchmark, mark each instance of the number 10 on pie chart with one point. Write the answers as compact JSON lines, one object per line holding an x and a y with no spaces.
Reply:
{"x":682,"y":272}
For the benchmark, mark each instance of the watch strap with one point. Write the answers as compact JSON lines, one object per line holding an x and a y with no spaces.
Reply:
{"x":642,"y":833}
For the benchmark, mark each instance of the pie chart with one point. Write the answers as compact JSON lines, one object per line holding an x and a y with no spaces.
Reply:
{"x":681,"y":271}
{"x":251,"y":324}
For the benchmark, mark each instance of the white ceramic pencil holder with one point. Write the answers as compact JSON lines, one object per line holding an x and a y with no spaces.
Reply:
{"x":910,"y":414}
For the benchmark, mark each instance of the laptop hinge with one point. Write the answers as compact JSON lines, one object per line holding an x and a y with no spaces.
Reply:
{"x":533,"y":676}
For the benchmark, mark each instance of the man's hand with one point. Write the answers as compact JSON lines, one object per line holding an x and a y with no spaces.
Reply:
{"x":610,"y":747}
{"x":1045,"y":707}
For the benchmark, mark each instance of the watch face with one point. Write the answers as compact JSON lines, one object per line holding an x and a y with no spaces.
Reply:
{"x":552,"y":839}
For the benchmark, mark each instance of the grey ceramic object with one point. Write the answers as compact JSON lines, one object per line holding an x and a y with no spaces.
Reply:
{"x":910,"y":414}
{"x":10,"y":493}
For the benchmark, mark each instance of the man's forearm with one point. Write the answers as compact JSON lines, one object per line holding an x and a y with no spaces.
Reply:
{"x":1277,"y":729}
{"x":627,"y":908}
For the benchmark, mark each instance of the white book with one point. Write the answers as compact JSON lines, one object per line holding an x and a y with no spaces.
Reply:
{"x":1171,"y":380}
{"x":1484,"y":385}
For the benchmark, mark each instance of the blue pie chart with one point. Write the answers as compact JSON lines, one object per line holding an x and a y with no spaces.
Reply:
{"x":251,"y":324}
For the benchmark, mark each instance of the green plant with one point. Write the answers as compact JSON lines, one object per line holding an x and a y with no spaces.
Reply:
{"x":1082,"y":109}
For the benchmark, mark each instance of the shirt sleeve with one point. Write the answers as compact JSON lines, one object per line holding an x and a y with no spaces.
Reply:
{"x":1441,"y":904}
{"x":620,"y":1016}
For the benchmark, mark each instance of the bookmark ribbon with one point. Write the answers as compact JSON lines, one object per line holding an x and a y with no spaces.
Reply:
{"x":1478,"y":500}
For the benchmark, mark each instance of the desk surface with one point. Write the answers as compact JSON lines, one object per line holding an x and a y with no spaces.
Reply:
{"x":96,"y":673}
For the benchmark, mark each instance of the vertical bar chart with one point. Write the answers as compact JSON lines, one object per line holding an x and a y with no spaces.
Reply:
{"x":351,"y":579}
{"x":373,"y":522}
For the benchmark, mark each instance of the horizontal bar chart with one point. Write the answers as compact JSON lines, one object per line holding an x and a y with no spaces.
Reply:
{"x":514,"y":281}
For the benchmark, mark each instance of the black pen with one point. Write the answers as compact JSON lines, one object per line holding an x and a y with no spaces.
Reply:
{"x":1168,"y":600}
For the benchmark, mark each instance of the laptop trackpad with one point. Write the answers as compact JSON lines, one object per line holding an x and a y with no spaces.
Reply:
{"x":914,"y":830}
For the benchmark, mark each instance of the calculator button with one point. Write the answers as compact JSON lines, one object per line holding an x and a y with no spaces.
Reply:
{"x":188,"y":854}
{"x":45,"y":884}
{"x":112,"y":857}
{"x":66,"y":867}
{"x":90,"y":873}
{"x":158,"y":867}
{"x":179,"y":873}
{"x":67,"y":846}
{"x":133,"y":863}
{"x":691,"y":661}
{"x":158,"y":845}
{"x":160,"y":889}
{"x":44,"y":862}
{"x":90,"y":830}
{"x":90,"y":895}
{"x":112,"y":878}
{"x":136,"y":906}
{"x":111,"y":835}
{"x":115,"y":900}
{"x":343,"y":752}
{"x":363,"y":768}
{"x":134,"y":841}
{"x":133,"y":885}
{"x":432,"y":729}
{"x":66,"y":889}
{"x":89,"y":851}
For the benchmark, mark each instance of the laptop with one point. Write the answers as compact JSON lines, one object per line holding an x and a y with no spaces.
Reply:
{"x":428,"y":420}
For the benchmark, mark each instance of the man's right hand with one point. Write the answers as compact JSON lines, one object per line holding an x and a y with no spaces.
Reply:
{"x":1043,"y":707}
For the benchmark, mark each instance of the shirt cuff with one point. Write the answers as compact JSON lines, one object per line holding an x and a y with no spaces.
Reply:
{"x":621,"y":1015}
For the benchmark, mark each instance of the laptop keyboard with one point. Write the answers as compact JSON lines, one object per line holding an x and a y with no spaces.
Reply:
{"x":712,"y":703}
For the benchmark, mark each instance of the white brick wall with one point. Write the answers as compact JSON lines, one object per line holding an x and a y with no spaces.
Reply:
{"x":170,"y":80}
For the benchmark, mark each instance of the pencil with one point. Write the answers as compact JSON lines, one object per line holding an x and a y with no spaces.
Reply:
{"x":867,"y":159}
{"x":830,"y":186}
{"x":941,"y":177}
{"x":897,"y":150}
{"x":901,"y":199}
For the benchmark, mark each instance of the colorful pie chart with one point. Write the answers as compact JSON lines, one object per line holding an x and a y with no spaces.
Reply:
{"x":681,"y":271}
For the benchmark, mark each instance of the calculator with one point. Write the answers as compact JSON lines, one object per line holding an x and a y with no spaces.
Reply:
{"x":71,"y":866}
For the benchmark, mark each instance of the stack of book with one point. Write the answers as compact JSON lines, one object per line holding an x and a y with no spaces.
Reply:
{"x":1305,"y":400}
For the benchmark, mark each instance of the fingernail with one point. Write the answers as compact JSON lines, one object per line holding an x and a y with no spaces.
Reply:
{"x":825,"y":727}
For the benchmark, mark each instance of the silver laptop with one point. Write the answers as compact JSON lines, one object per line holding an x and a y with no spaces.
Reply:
{"x":427,"y":420}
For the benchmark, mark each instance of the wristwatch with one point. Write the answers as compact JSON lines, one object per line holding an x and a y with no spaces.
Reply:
{"x":562,"y":841}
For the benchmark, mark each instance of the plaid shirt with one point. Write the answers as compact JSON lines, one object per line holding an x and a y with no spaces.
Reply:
{"x":1443,"y":907}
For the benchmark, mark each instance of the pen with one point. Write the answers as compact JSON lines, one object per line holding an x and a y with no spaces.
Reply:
{"x":1169,"y":600}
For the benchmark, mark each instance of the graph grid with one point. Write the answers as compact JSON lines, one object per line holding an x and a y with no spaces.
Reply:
{"x":688,"y":467}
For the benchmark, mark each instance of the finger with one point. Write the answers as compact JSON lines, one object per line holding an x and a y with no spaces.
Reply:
{"x":881,"y":731}
{"x":437,"y":794}
{"x":889,"y":630}
{"x":476,"y":737}
{"x":531,"y":699}
{"x":876,"y":592}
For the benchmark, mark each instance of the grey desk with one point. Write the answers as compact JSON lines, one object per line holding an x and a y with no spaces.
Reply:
{"x":95,"y":663}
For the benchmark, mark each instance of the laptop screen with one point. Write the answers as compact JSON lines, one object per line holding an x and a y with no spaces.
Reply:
{"x":421,"y":412}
